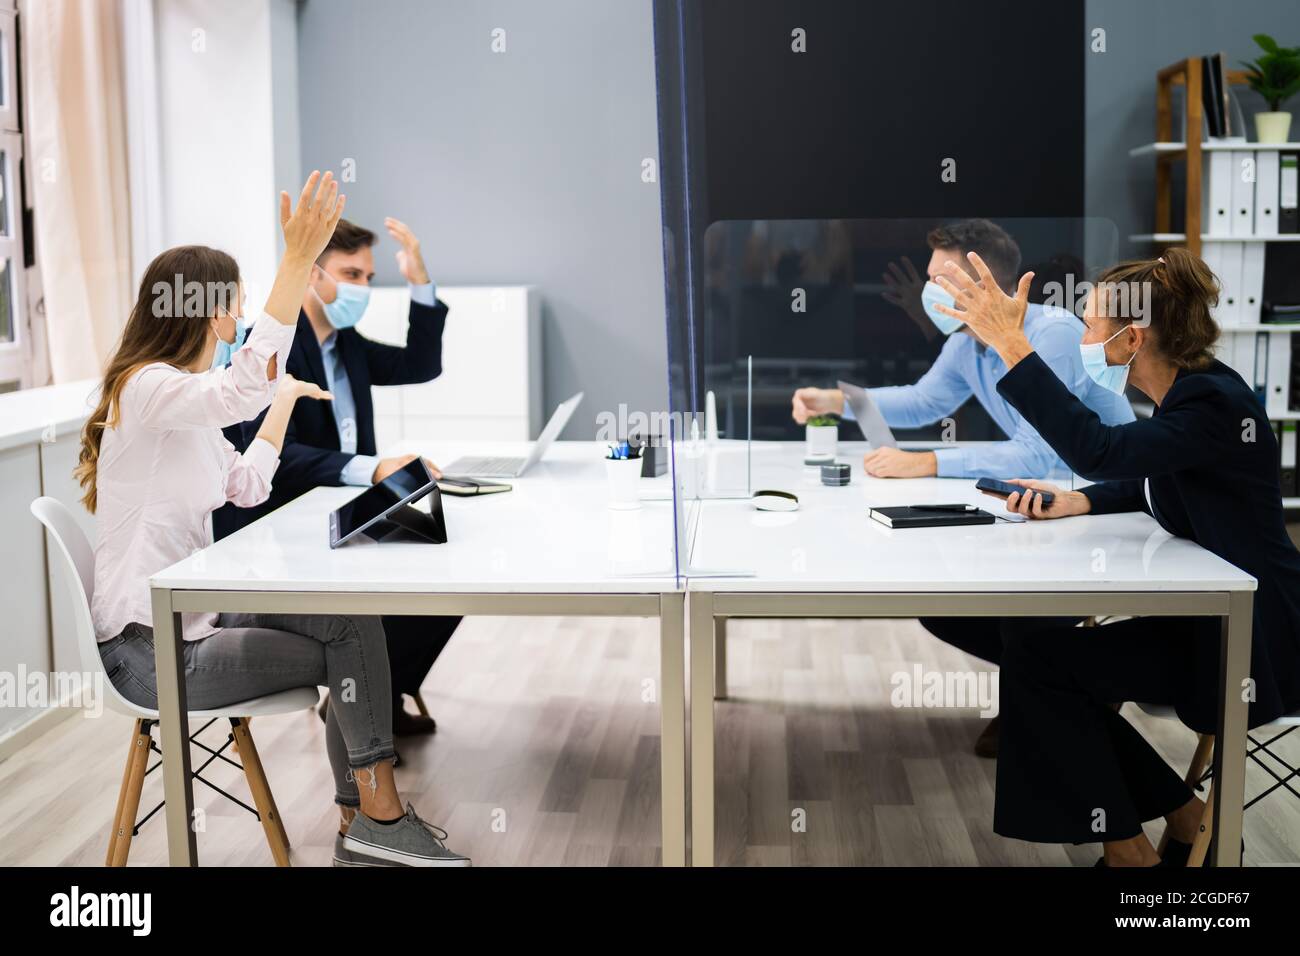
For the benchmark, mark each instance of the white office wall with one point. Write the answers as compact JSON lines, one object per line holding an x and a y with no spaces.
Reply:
{"x":228,"y":127}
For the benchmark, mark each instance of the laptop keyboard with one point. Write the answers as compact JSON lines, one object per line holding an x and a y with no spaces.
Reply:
{"x":484,"y":466}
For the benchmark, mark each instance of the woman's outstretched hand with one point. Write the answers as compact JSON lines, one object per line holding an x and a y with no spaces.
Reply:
{"x":295,"y":388}
{"x":308,"y":228}
{"x":995,"y":317}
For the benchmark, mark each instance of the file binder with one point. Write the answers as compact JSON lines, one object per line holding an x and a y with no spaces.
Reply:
{"x":1225,"y":261}
{"x":1243,"y":193}
{"x":1278,"y":374}
{"x":1217,"y":194}
{"x":1290,"y":477}
{"x":1251,"y":299}
{"x":1258,"y":379}
{"x":1294,"y":403}
{"x":1288,"y":188}
{"x":1266,"y":175}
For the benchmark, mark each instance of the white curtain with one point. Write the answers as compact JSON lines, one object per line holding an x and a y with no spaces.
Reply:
{"x":78,"y":145}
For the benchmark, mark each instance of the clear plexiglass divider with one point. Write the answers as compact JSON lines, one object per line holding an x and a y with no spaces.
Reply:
{"x":769,"y":318}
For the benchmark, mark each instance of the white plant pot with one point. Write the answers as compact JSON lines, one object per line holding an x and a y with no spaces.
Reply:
{"x":624,"y":477}
{"x":820,"y":440}
{"x":1272,"y":127}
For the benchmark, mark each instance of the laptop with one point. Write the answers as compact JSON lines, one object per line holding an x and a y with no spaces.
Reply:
{"x":869,"y":419}
{"x":486,"y":467}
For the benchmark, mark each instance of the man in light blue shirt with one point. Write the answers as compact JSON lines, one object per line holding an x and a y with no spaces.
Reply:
{"x":966,"y":367}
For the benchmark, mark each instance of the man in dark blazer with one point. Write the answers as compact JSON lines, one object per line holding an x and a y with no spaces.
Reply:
{"x":333,"y":443}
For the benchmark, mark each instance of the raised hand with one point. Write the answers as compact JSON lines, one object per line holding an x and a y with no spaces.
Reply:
{"x":409,"y":260}
{"x":308,"y":228}
{"x":903,"y":285}
{"x":997,"y":318}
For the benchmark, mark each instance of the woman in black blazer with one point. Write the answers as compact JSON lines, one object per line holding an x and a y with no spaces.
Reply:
{"x":1205,"y":466}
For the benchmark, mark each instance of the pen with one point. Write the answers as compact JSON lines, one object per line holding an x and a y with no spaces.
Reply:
{"x":958,"y":508}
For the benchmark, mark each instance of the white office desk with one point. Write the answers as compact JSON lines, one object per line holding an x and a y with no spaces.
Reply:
{"x":549,"y":547}
{"x":830,"y":560}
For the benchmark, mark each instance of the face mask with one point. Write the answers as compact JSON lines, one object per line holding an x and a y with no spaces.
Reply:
{"x":1113,"y":377}
{"x":934,"y":294}
{"x":349,"y":304}
{"x":224,"y":351}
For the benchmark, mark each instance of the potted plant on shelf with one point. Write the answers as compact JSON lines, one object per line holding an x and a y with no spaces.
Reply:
{"x":1276,"y":77}
{"x":821,"y":434}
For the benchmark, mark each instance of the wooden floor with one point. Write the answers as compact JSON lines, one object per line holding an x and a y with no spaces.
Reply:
{"x":547,"y":753}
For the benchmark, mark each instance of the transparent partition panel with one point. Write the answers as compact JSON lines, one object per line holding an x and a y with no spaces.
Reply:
{"x":817,"y":342}
{"x":795,"y":305}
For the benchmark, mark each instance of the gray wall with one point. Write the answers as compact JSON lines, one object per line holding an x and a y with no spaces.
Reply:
{"x":525,"y":166}
{"x":515,"y":167}
{"x":1141,"y":37}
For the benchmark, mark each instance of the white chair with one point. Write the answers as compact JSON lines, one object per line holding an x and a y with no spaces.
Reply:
{"x":73,"y":553}
{"x":1199,"y":770}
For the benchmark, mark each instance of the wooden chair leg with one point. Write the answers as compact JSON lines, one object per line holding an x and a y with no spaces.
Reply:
{"x":1201,"y":845}
{"x":128,"y":799}
{"x":420,"y":705}
{"x":276,"y":837}
{"x":1201,"y":758}
{"x":234,"y":744}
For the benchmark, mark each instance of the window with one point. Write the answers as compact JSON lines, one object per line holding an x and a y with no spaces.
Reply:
{"x":15,"y":344}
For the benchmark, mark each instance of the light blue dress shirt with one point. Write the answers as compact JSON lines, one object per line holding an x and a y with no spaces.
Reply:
{"x":361,"y":468}
{"x":965,"y":368}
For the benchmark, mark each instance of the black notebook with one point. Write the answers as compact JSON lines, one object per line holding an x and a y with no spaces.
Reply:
{"x":930,"y":516}
{"x":465,"y":487}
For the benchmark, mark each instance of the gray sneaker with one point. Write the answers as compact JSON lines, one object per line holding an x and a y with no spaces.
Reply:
{"x":345,"y":857}
{"x":408,"y":842}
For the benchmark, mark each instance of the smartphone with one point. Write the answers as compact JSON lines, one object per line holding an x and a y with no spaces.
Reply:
{"x":1004,"y":490}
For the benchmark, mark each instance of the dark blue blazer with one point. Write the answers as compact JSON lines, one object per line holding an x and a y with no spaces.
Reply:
{"x":310,"y":456}
{"x":1212,"y":461}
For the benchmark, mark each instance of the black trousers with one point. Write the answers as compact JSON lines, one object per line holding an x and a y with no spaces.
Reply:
{"x":1070,"y":768}
{"x":414,"y":643}
{"x":985,"y":636}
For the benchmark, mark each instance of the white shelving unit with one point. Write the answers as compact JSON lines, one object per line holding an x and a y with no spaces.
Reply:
{"x":1241,"y":344}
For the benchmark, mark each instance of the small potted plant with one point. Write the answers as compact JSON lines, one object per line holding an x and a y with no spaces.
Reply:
{"x":1276,"y":77}
{"x":821,"y":434}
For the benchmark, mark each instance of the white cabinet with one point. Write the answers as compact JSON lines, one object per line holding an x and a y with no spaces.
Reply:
{"x":40,"y":435}
{"x":491,"y":384}
{"x":25,"y":633}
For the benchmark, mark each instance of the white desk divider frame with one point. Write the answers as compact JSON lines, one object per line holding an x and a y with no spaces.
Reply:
{"x":708,"y":608}
{"x":168,"y":604}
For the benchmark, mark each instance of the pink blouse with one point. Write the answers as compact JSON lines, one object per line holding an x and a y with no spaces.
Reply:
{"x":166,"y":467}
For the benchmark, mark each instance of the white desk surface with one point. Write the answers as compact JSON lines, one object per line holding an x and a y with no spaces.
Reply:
{"x":26,"y":415}
{"x":830,"y":544}
{"x":551,"y":533}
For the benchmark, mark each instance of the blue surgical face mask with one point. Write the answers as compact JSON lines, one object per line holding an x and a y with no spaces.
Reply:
{"x":224,"y":351}
{"x":350,"y":301}
{"x":934,"y":294}
{"x":1113,"y":377}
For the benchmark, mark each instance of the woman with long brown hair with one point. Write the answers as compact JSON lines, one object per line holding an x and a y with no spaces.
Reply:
{"x":1205,"y":467}
{"x":155,"y":465}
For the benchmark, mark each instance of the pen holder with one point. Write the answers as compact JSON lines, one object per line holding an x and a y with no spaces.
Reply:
{"x":624,"y":476}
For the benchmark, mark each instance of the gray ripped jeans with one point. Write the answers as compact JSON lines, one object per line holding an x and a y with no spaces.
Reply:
{"x":258,"y":654}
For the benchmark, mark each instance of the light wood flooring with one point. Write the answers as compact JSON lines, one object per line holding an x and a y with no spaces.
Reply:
{"x":547,"y":753}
